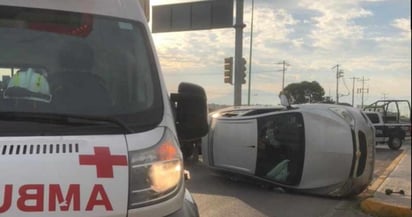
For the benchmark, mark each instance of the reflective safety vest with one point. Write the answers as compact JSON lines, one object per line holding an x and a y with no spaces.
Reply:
{"x":28,"y":84}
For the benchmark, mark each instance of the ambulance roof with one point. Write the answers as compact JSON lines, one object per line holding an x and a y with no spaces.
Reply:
{"x":127,"y":9}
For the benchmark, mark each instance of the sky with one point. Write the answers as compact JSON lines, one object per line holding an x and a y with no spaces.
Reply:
{"x":369,"y":39}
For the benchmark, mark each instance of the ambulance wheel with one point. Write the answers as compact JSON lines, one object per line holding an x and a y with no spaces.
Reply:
{"x":395,"y":143}
{"x":187,"y":150}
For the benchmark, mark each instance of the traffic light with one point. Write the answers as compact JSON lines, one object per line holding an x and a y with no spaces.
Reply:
{"x":228,"y":70}
{"x":243,"y":70}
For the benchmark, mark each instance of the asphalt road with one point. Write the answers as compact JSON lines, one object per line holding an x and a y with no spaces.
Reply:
{"x":217,"y":195}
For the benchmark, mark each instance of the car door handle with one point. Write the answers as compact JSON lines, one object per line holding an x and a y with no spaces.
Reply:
{"x":251,"y":146}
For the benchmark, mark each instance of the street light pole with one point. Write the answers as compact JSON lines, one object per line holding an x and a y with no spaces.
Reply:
{"x":250,"y":53}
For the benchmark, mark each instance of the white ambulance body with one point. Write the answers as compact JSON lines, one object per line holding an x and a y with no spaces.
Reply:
{"x":86,"y":125}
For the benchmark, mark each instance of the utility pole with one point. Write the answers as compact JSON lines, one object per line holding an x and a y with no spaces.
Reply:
{"x":362,"y":90}
{"x":353,"y":90}
{"x":250,"y":53}
{"x":339,"y":74}
{"x":329,"y":92}
{"x":284,"y":63}
{"x":238,"y":53}
{"x":384,"y":96}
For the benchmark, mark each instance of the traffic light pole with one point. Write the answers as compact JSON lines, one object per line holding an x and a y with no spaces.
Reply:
{"x":238,"y":53}
{"x":250,"y":54}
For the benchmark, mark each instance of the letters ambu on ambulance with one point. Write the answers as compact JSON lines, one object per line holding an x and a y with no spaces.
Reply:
{"x":86,"y":124}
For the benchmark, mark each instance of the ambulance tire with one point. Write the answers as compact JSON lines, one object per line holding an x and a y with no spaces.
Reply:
{"x":188,"y":149}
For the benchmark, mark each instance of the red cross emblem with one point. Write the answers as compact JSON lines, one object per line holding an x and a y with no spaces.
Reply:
{"x":103,"y":161}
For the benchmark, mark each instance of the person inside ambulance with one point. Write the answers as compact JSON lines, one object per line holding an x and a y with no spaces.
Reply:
{"x":75,"y":88}
{"x":28,"y":90}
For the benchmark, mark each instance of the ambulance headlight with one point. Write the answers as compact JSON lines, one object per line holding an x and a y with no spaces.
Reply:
{"x":155,"y":173}
{"x":345,"y":115}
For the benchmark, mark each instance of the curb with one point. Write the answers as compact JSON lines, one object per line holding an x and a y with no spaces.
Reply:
{"x":379,"y":208}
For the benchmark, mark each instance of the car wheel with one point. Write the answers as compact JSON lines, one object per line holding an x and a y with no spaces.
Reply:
{"x":395,"y":143}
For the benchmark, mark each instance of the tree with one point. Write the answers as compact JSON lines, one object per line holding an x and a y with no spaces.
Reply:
{"x":306,"y":92}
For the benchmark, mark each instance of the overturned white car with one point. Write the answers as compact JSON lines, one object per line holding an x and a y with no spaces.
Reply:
{"x":313,"y":148}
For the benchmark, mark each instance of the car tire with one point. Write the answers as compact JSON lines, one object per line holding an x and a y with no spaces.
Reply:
{"x":395,"y":143}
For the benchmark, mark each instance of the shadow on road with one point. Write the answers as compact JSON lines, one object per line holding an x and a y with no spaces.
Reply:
{"x":217,"y":195}
{"x":212,"y":189}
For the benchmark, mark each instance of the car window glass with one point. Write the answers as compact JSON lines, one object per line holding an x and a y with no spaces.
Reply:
{"x":281,"y":148}
{"x":391,"y":112}
{"x":404,"y":112}
{"x":373,"y":117}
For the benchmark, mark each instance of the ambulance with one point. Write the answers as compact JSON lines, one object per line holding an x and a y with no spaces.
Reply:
{"x":87,"y":127}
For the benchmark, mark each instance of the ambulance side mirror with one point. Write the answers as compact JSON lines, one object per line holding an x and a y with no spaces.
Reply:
{"x":190,"y":105}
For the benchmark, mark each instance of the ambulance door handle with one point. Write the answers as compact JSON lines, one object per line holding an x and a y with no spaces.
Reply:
{"x":252,"y":146}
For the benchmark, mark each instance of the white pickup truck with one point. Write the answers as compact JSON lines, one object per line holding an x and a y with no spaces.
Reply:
{"x":391,"y":119}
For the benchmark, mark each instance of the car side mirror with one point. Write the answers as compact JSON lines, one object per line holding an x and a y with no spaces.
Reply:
{"x":285,"y":99}
{"x":190,"y":106}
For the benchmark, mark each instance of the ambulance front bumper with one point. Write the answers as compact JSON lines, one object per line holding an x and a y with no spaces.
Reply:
{"x":189,"y":208}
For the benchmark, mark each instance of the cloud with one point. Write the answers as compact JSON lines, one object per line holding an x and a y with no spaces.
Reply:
{"x":335,"y":22}
{"x":404,"y":25}
{"x":373,"y":0}
{"x":312,"y":36}
{"x":191,"y":51}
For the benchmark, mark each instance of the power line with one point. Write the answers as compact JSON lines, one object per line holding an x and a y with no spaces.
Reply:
{"x":346,"y":86}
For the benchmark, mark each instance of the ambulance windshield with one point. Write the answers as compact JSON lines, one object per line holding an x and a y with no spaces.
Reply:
{"x":55,"y":62}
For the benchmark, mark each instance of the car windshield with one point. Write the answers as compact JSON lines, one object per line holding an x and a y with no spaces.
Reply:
{"x":55,"y":62}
